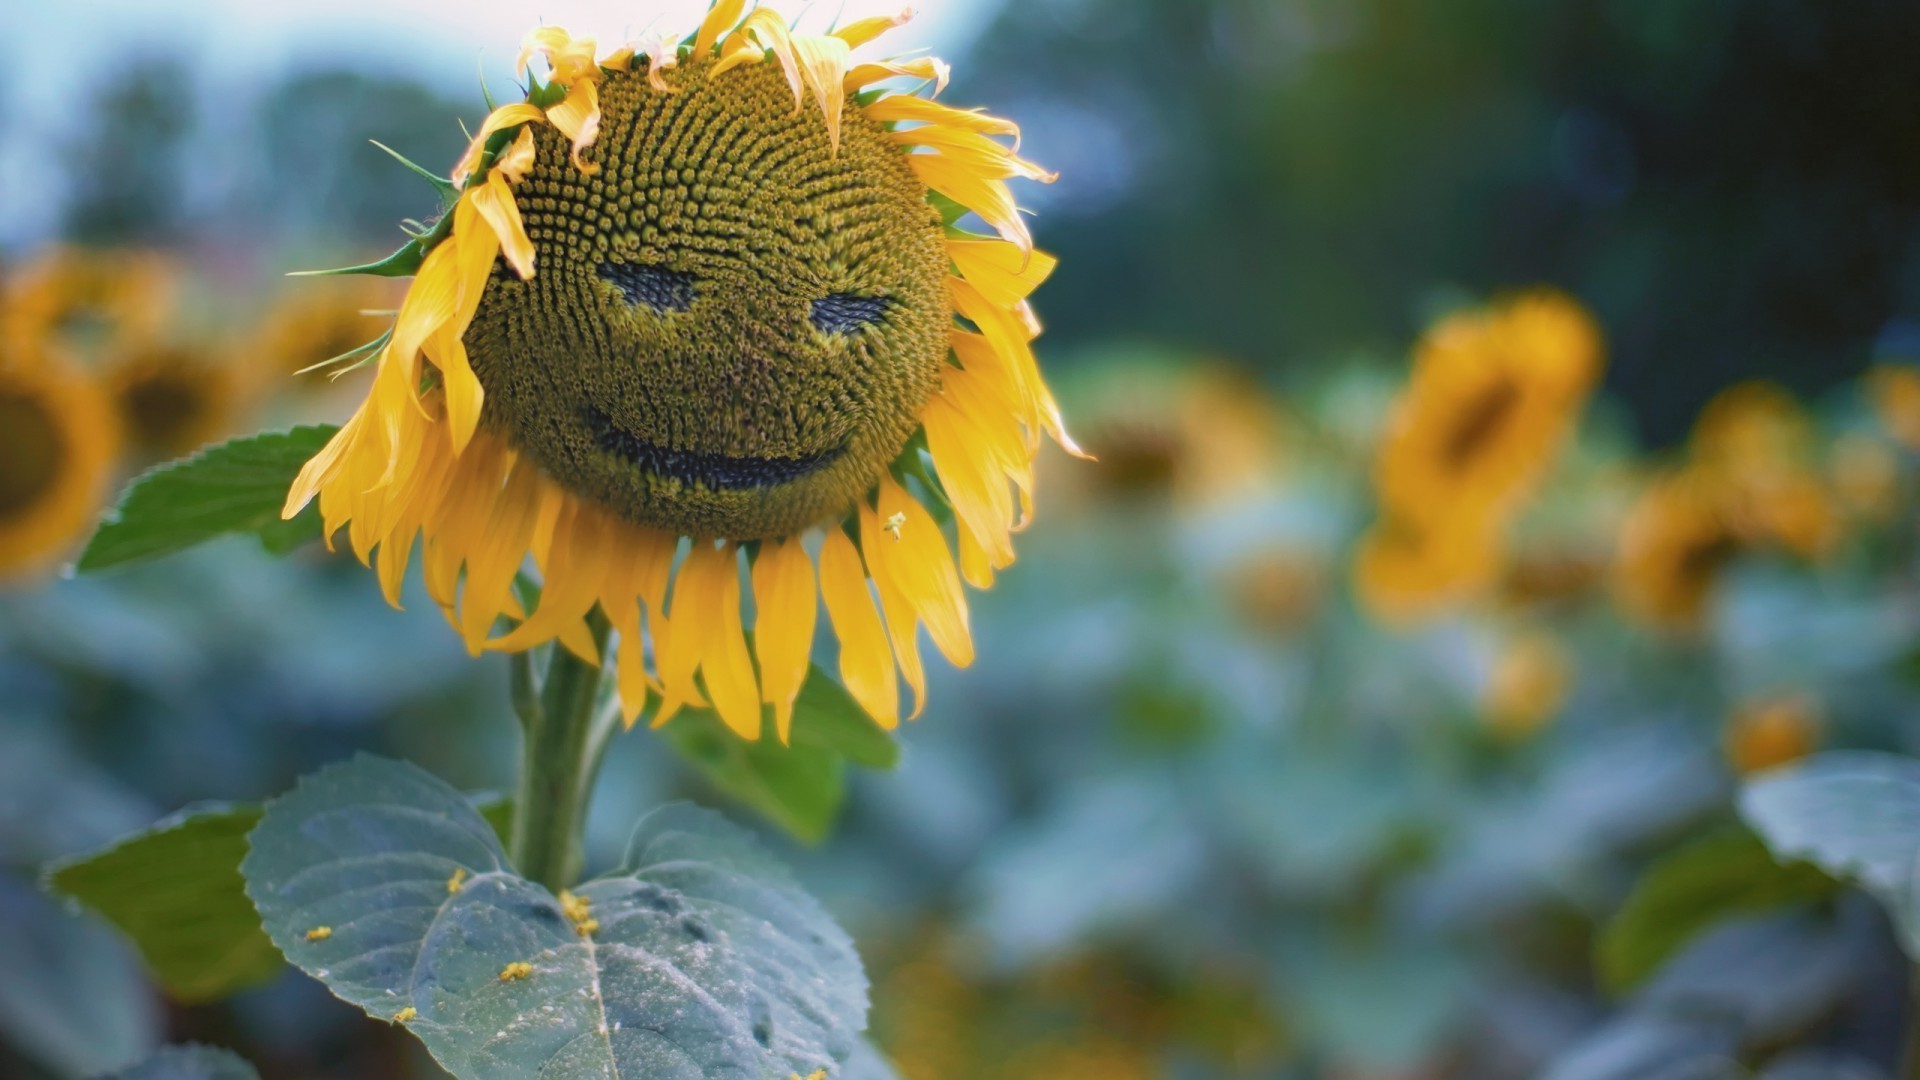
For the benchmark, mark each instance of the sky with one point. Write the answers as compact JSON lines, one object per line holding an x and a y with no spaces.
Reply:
{"x":237,"y":44}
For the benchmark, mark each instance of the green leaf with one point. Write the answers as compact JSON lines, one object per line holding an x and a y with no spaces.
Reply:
{"x":1726,"y":874}
{"x":798,"y":788}
{"x":190,"y":1062}
{"x":175,"y":890}
{"x":827,"y":718}
{"x":1855,"y":815}
{"x":707,"y":961}
{"x":237,"y":487}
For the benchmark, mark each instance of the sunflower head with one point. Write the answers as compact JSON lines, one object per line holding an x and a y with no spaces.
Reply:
{"x":58,"y":439}
{"x":702,"y":318}
{"x":1673,"y":544}
{"x":738,"y":317}
{"x":171,"y":401}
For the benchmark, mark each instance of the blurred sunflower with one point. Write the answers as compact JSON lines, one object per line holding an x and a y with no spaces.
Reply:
{"x":1673,"y":543}
{"x":1755,"y":446}
{"x":311,"y":326}
{"x":1528,"y":685}
{"x":172,"y":400}
{"x":1493,"y":397}
{"x":711,"y":295}
{"x":88,"y":300}
{"x":1865,"y":475}
{"x":58,"y":440}
{"x":1769,"y":732}
{"x":1894,"y":390}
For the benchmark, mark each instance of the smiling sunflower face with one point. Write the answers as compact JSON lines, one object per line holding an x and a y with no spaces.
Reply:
{"x":735,"y":328}
{"x":701,"y":343}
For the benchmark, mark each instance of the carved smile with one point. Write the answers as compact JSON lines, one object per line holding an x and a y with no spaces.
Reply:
{"x":716,"y":472}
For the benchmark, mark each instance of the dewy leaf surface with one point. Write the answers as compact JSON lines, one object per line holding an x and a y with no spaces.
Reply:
{"x":705,"y":959}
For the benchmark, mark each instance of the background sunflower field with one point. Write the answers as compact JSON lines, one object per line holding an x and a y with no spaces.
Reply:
{"x":1486,"y":646}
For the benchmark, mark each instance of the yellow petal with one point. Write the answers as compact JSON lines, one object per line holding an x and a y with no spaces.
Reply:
{"x":823,"y":65}
{"x":506,"y":116}
{"x":571,"y":571}
{"x":915,"y":556}
{"x":861,"y":31}
{"x":721,"y":17}
{"x":578,"y":118}
{"x":494,"y":561}
{"x":926,"y":67}
{"x":786,"y":605}
{"x":984,"y":195}
{"x":866,"y":661}
{"x":1003,"y":273}
{"x":878,"y":547}
{"x":710,"y":584}
{"x":764,"y":26}
{"x":907,"y":108}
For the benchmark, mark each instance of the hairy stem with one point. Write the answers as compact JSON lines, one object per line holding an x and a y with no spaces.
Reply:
{"x":565,"y":731}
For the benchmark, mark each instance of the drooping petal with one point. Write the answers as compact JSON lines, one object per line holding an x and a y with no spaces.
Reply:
{"x":710,"y":582}
{"x":919,"y":563}
{"x":723,"y":16}
{"x":909,"y":108}
{"x":984,"y":195}
{"x":929,"y":68}
{"x":786,"y":602}
{"x":506,"y":116}
{"x":1003,"y":273}
{"x":823,"y":66}
{"x":861,"y":31}
{"x":866,"y":660}
{"x":895,"y":605}
{"x":494,"y":560}
{"x":578,"y":118}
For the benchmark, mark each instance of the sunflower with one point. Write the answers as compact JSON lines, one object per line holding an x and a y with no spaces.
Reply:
{"x":90,"y":300}
{"x":58,"y":440}
{"x":1527,"y":686}
{"x":1494,"y":395}
{"x":1674,"y":542}
{"x":309,"y":328}
{"x":1894,"y":391}
{"x":1768,"y":732}
{"x":703,"y":311}
{"x":1755,"y":445}
{"x":172,"y":400}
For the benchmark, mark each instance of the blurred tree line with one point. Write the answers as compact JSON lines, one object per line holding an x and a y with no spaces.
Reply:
{"x":1731,"y":184}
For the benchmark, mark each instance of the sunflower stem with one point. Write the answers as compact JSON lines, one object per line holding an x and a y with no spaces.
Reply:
{"x":565,"y":731}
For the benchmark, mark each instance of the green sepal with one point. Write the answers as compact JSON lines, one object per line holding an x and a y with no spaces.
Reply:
{"x":448,"y":191}
{"x":360,"y":356}
{"x":402,"y":263}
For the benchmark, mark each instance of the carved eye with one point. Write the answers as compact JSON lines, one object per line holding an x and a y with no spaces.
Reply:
{"x":656,"y":287}
{"x":844,"y":313}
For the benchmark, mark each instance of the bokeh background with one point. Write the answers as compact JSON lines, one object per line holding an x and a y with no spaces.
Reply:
{"x":1225,"y":795}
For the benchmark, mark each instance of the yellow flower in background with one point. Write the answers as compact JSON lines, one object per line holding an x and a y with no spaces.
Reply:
{"x":1894,"y":390}
{"x":1865,"y":474}
{"x":58,"y":441}
{"x":1528,"y":686}
{"x":309,"y":326}
{"x":172,"y":399}
{"x":734,"y":324}
{"x":89,"y":300}
{"x":1755,"y":445}
{"x":1769,"y":732}
{"x":1405,"y":575}
{"x":1493,"y":397}
{"x":1673,"y":544}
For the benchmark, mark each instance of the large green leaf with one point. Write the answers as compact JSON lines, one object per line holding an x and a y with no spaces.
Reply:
{"x":190,"y":1062}
{"x":1727,"y":874}
{"x":236,"y":487}
{"x":707,"y":961}
{"x":175,"y":890}
{"x":799,"y":787}
{"x":1855,"y":815}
